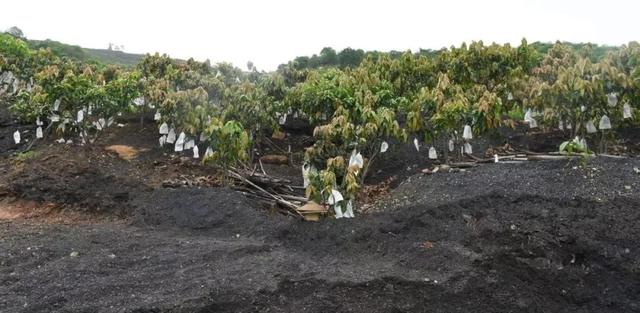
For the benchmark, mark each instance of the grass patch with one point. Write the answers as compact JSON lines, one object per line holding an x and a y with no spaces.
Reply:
{"x":25,"y":156}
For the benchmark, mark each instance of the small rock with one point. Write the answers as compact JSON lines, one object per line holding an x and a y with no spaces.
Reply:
{"x":112,"y":256}
{"x":637,"y":170}
{"x":274,"y":159}
{"x":627,"y":187}
{"x":74,"y":254}
{"x":278,"y":135}
{"x":513,"y":227}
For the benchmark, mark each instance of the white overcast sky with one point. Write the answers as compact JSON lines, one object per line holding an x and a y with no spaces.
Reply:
{"x":275,"y":31}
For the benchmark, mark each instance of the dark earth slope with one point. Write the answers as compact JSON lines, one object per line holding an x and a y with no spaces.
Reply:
{"x":532,"y":237}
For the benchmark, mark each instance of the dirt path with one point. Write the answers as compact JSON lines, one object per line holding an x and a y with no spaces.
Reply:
{"x":499,"y":239}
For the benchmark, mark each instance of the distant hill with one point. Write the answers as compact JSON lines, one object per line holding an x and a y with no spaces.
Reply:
{"x":114,"y":57}
{"x":104,"y":56}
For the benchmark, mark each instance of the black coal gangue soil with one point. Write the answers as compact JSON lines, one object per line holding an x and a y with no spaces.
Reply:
{"x":533,"y":237}
{"x":79,"y":182}
{"x":203,"y":209}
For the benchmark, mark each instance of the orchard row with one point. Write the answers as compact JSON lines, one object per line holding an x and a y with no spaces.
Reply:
{"x":448,"y":97}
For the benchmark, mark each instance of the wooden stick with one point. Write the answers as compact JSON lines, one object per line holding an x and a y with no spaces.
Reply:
{"x":612,"y":156}
{"x":552,"y":157}
{"x":272,"y":144}
{"x":278,"y":199}
{"x":294,"y":198}
{"x":261,"y":167}
{"x":463,"y":164}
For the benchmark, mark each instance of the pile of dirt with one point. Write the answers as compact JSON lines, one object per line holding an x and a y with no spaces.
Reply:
{"x":104,"y":177}
{"x":599,"y":179}
{"x":74,"y":179}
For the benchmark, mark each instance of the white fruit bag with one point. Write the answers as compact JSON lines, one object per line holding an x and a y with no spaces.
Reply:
{"x":468,"y":149}
{"x":189,"y":144}
{"x":171,"y":136}
{"x":157,"y":116}
{"x":139,"y":101}
{"x":451,"y":145}
{"x":16,"y":137}
{"x":80,"y":116}
{"x":178,"y":147}
{"x":528,"y":116}
{"x":383,"y":147}
{"x":164,"y":129}
{"x":416,"y":144}
{"x":181,"y":138}
{"x":208,"y":153}
{"x":196,"y":152}
{"x":162,"y":140}
{"x":348,"y":213}
{"x":605,"y":123}
{"x":307,"y":171}
{"x":335,"y":197}
{"x":39,"y":132}
{"x":337,"y":208}
{"x":466,"y":133}
{"x":626,"y":111}
{"x":356,"y":159}
{"x":591,"y":128}
{"x":612,"y":99}
{"x":433,"y":154}
{"x":583,"y":143}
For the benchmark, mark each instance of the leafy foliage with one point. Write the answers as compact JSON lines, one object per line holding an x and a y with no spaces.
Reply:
{"x":355,"y":100}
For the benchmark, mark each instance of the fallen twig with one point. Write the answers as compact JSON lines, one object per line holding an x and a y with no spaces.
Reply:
{"x":463,"y":164}
{"x":280,"y":199}
{"x":540,"y":157}
{"x":613,"y":156}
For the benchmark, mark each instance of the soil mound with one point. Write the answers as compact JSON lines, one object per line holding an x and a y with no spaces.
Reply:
{"x":487,"y":254}
{"x":74,"y":183}
{"x":600,"y":178}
